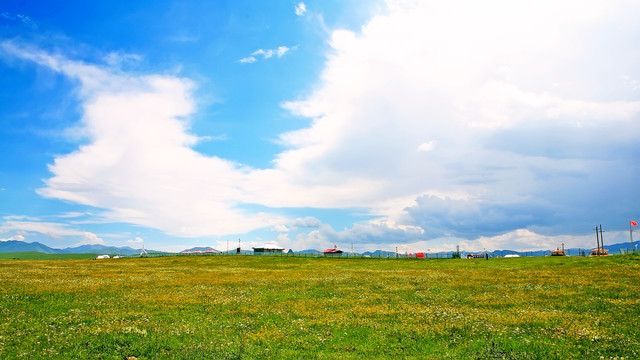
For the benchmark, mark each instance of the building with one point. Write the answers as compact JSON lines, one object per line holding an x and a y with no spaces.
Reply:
{"x":558,"y":252}
{"x":333,"y":252}
{"x":268,"y":248}
{"x":599,"y":252}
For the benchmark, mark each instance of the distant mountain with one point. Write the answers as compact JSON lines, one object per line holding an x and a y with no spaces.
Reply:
{"x":617,"y":248}
{"x":100,"y":249}
{"x":21,"y":246}
{"x":200,"y":248}
{"x":308,"y":251}
{"x":380,"y":253}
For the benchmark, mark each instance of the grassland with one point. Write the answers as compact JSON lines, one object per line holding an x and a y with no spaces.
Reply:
{"x":228,"y":307}
{"x":34,"y":255}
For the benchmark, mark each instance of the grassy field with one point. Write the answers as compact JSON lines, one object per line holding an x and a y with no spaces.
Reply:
{"x":34,"y":255}
{"x":229,"y":307}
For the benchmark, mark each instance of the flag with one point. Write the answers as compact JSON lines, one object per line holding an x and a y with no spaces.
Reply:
{"x":633,"y":223}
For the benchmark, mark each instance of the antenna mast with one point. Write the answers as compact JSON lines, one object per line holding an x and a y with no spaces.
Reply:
{"x":143,"y":252}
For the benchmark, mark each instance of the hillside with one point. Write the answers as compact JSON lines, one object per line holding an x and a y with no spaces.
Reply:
{"x":21,"y":246}
{"x":14,"y":246}
{"x":255,"y":307}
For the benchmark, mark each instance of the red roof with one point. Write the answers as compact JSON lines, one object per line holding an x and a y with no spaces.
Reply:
{"x":332,"y":251}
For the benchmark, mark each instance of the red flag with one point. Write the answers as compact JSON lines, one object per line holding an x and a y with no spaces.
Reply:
{"x":633,"y":223}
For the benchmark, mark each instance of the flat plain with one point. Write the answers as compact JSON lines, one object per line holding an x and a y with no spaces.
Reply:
{"x":253,"y":307}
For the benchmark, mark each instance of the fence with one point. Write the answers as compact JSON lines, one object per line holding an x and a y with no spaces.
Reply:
{"x":303,"y":255}
{"x":449,"y":255}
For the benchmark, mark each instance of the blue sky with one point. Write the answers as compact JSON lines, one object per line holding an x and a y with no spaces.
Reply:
{"x":410,"y":124}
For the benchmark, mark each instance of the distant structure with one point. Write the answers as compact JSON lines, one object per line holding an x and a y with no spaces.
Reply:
{"x":268,"y":248}
{"x":599,"y":252}
{"x":143,"y":252}
{"x":558,"y":252}
{"x":333,"y":252}
{"x":199,"y":252}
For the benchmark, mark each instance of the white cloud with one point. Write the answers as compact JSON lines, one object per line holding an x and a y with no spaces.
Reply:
{"x":507,"y":150}
{"x":281,"y":228}
{"x":298,"y":223}
{"x":306,"y":222}
{"x":283,"y":239}
{"x":138,"y":164}
{"x":20,"y":218}
{"x":383,"y":91}
{"x":301,"y":9}
{"x":281,"y":50}
{"x":367,"y":237}
{"x":221,"y":137}
{"x":119,"y":58}
{"x":248,"y":60}
{"x":278,"y":52}
{"x":520,"y":240}
{"x":427,"y":146}
{"x":266,"y":54}
{"x":24,"y":19}
{"x":371,"y":235}
{"x":135,"y":241}
{"x":72,"y":214}
{"x":91,"y":239}
{"x":51,"y":230}
{"x":14,"y":238}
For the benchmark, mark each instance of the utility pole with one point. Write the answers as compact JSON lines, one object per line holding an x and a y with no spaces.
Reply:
{"x":597,"y":242}
{"x":601,"y":239}
{"x":631,"y":232}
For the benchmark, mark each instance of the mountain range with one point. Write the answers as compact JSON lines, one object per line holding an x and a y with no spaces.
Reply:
{"x":21,"y":246}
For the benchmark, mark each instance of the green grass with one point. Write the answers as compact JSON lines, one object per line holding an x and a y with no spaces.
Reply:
{"x":34,"y":255}
{"x":233,"y":307}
